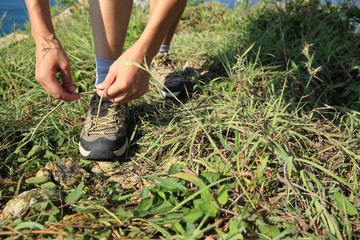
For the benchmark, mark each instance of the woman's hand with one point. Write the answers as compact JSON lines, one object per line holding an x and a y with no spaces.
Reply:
{"x":50,"y":60}
{"x":127,"y":81}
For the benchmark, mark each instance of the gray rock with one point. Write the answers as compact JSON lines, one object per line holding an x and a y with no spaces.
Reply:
{"x":19,"y":206}
{"x":66,"y":172}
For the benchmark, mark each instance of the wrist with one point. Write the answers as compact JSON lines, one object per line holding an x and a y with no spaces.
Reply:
{"x":40,"y":38}
{"x":147,"y":49}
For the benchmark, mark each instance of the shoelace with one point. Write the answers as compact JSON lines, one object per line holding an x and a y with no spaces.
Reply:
{"x":105,"y":124}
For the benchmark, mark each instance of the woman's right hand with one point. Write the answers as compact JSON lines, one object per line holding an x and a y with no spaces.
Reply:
{"x":50,"y":60}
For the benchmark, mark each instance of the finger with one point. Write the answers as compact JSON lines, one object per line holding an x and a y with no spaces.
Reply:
{"x":109,"y":80}
{"x":53,"y":87}
{"x":66,"y":96}
{"x":124,"y":98}
{"x":69,"y":89}
{"x":66,"y":77}
{"x":117,"y":93}
{"x":121,"y":98}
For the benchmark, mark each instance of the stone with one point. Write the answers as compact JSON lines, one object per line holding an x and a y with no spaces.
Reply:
{"x":44,"y":172}
{"x":20,"y":205}
{"x":106,"y":168}
{"x":66,"y":172}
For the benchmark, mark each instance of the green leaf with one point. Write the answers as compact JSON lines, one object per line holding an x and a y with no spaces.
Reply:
{"x":194,"y":215}
{"x":145,"y":204}
{"x":295,"y":67}
{"x":162,"y":195}
{"x":172,"y":140}
{"x":49,"y":185}
{"x":34,"y":150}
{"x":222,"y":197}
{"x":122,"y":213}
{"x":178,"y":228}
{"x":273,"y":231}
{"x":209,"y":177}
{"x":167,"y":182}
{"x":208,"y":209}
{"x":190,"y":228}
{"x":327,"y":171}
{"x":206,"y":195}
{"x":269,"y":230}
{"x":75,"y":194}
{"x":191,"y":197}
{"x":110,"y":213}
{"x":236,"y":226}
{"x":163,"y":231}
{"x":223,"y":141}
{"x":176,"y":168}
{"x":162,"y":208}
{"x":145,"y":193}
{"x":344,"y":204}
{"x":188,"y":177}
{"x":37,"y":180}
{"x":287,"y":231}
{"x":29,"y":225}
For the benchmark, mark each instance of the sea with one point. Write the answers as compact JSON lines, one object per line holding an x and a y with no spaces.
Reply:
{"x":13,"y":13}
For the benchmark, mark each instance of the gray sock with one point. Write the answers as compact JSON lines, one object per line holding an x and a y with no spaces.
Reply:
{"x":102,"y":69}
{"x":164,"y":49}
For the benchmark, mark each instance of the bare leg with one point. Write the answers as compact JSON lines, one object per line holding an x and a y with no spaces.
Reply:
{"x":167,"y":39}
{"x":109,"y":19}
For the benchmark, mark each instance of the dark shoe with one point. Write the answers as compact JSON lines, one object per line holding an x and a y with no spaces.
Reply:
{"x":104,"y":138}
{"x":164,"y":71}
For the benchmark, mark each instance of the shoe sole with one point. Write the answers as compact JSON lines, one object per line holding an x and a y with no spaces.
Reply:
{"x":170,"y":95}
{"x":102,"y":153}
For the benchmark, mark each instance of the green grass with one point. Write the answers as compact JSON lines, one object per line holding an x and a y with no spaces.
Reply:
{"x":267,"y":147}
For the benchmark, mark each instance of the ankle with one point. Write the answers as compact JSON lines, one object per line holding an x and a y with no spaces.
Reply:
{"x":102,"y":69}
{"x":164,"y":48}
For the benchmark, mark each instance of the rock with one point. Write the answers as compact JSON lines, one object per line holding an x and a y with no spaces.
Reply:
{"x":44,"y":172}
{"x":106,"y":168}
{"x":19,"y":206}
{"x":66,"y":172}
{"x":126,"y":181}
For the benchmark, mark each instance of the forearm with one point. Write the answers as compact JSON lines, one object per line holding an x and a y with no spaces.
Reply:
{"x":161,"y":20}
{"x":40,"y":19}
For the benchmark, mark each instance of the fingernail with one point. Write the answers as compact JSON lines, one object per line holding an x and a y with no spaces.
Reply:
{"x":99,"y":86}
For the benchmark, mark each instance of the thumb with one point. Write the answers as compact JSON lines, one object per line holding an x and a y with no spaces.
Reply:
{"x":109,"y":80}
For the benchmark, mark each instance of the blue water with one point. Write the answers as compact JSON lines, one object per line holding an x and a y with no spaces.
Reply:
{"x":14,"y":15}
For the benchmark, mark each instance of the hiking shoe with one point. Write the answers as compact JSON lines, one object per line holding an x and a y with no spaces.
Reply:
{"x":104,"y":138}
{"x":164,"y":71}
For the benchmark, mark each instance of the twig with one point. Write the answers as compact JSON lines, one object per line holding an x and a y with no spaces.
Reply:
{"x":43,"y":119}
